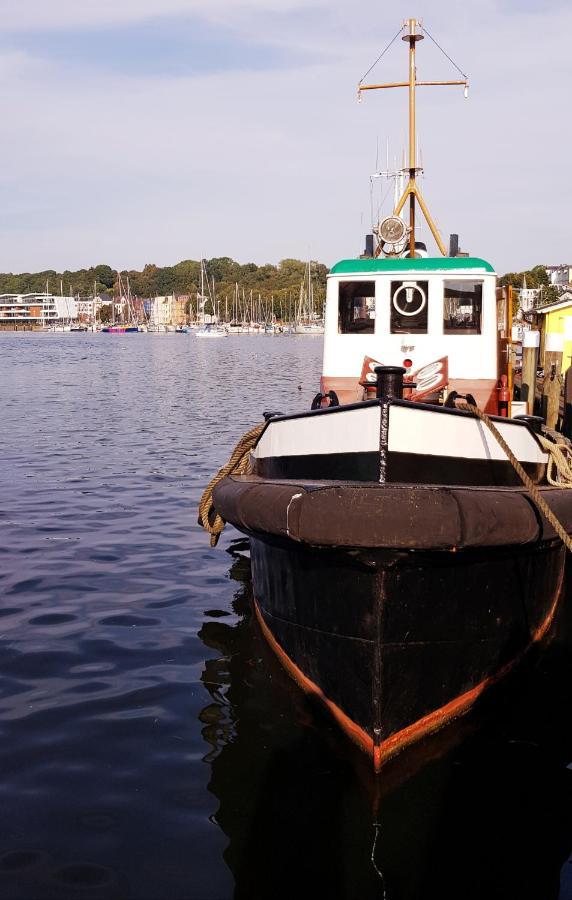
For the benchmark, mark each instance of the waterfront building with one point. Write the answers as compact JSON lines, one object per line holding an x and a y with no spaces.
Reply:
{"x":88,"y":307}
{"x":36,"y":310}
{"x":169,"y":310}
{"x":560,"y":275}
{"x":179,"y":317}
{"x":163,"y":310}
{"x":85,"y":308}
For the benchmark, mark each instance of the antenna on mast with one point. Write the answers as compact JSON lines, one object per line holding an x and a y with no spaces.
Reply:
{"x":412,"y":192}
{"x":397,"y":176}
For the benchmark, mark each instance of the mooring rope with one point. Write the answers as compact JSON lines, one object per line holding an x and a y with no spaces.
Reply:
{"x":237,"y":465}
{"x":557,"y":460}
{"x":559,"y":470}
{"x":558,"y":474}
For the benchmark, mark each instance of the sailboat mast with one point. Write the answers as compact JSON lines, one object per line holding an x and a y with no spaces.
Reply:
{"x":202,"y":300}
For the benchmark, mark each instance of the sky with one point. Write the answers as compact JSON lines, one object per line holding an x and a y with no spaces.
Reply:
{"x":150,"y":131}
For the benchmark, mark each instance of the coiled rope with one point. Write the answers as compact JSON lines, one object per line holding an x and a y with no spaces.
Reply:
{"x":558,"y":461}
{"x":559,"y":470}
{"x":237,"y":465}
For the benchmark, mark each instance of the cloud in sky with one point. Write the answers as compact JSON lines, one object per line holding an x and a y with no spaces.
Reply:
{"x":176,"y":46}
{"x":38,"y":14}
{"x":139,"y":131}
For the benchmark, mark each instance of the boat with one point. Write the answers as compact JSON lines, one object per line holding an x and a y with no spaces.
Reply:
{"x":120,"y":329}
{"x":128,"y":323}
{"x":307,"y":321}
{"x":210,"y":330}
{"x":211,"y":327}
{"x":316,"y":327}
{"x":407,"y":534}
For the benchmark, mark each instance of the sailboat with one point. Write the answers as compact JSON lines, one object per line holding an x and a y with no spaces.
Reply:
{"x":408,"y":536}
{"x":127,"y":325}
{"x":211,"y":329}
{"x":307,"y":322}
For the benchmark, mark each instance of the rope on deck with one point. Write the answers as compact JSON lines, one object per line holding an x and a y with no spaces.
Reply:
{"x":238,"y":464}
{"x":559,"y":469}
{"x":558,"y":474}
{"x":559,"y":462}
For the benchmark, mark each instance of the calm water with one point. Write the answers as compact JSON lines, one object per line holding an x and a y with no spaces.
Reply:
{"x":150,"y":746}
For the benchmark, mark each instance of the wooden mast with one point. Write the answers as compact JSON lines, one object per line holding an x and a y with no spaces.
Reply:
{"x":411,"y":189}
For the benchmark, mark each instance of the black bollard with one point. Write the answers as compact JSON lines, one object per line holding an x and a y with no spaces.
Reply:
{"x":389,"y":387}
{"x":535,"y":423}
{"x":389,"y":382}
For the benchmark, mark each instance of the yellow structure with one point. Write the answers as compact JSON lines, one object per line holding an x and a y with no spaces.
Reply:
{"x":557,"y":319}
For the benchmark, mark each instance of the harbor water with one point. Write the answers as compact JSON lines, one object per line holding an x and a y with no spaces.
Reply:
{"x":151,"y":747}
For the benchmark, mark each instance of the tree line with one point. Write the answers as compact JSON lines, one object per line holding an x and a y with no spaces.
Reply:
{"x":280,"y":281}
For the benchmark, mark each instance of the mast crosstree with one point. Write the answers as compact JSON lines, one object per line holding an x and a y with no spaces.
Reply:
{"x":412,"y":191}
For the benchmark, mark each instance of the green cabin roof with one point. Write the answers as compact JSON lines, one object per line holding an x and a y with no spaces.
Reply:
{"x":420,"y":264}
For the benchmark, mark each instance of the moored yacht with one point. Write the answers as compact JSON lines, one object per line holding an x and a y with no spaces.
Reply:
{"x":211,"y":330}
{"x":120,"y":329}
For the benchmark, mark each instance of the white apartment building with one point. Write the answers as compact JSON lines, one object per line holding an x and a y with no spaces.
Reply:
{"x":36,"y":309}
{"x":163,"y":310}
{"x":560,"y":275}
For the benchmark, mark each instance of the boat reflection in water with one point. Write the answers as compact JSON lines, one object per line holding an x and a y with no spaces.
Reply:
{"x":487,"y":817}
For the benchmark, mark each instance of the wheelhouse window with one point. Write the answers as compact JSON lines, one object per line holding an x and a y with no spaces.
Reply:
{"x":462,"y":307}
{"x":356,"y":307}
{"x":409,"y":302}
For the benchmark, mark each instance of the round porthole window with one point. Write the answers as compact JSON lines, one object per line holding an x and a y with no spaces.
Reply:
{"x":409,"y":299}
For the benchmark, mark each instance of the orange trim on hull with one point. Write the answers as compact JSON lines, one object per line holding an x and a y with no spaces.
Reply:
{"x":423,"y":727}
{"x":357,"y":734}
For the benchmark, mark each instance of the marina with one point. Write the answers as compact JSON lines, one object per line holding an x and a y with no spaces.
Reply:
{"x":204,"y":306}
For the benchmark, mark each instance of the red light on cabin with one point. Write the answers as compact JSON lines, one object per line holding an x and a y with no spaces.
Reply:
{"x":407,"y":363}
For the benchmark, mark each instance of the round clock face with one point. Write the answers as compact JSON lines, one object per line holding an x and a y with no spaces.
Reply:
{"x":392,"y":230}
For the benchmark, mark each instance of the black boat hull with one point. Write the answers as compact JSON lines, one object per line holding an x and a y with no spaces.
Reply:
{"x":399,"y":645}
{"x":399,"y":605}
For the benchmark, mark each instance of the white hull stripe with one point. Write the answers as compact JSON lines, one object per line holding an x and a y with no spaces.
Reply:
{"x":347,"y":431}
{"x":412,"y":429}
